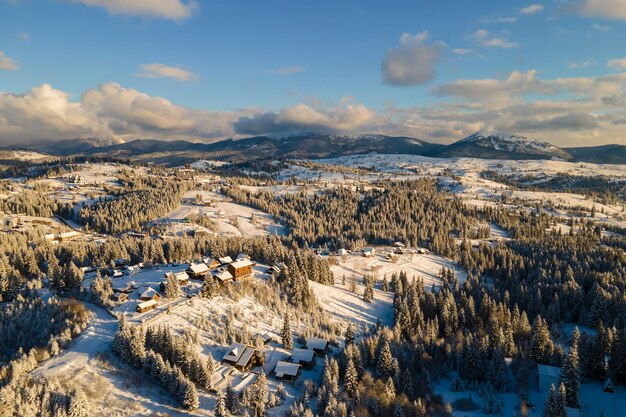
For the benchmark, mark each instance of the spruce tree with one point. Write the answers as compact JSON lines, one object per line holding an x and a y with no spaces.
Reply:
{"x":570,"y":373}
{"x":286,"y":333}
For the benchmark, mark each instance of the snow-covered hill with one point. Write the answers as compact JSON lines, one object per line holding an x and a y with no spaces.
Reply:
{"x":494,"y":144}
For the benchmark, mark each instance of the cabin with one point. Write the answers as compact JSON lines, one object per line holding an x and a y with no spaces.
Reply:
{"x":274,"y":269}
{"x":120,"y":297}
{"x":342,"y":252}
{"x":548,"y":376}
{"x":225,"y":260}
{"x":197,"y":271}
{"x":223,"y":276}
{"x":317,"y":345}
{"x":119,"y":263}
{"x":303,"y":357}
{"x":368,"y":252}
{"x":286,"y":371}
{"x":131,"y":270}
{"x":241,"y":257}
{"x":116,"y":273}
{"x":244,"y":357}
{"x":150,"y":294}
{"x":240,"y":269}
{"x":182,"y":277}
{"x":146,"y":306}
{"x":124,"y":290}
{"x":212,"y":263}
{"x":608,"y":386}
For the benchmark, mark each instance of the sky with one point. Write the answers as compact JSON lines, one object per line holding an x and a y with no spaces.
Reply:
{"x":204,"y":70}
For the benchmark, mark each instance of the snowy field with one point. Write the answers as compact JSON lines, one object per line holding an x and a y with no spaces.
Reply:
{"x":230,"y":218}
{"x":421,"y":266}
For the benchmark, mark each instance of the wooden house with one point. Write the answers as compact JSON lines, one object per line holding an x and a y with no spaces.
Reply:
{"x":225,"y":260}
{"x":287,"y":371}
{"x":197,"y":271}
{"x":317,"y":345}
{"x":368,"y":252}
{"x":146,"y":306}
{"x":150,"y":294}
{"x":548,"y":376}
{"x":223,"y":276}
{"x":212,"y":263}
{"x":303,"y":357}
{"x":240,"y":269}
{"x":244,"y":357}
{"x":120,"y":297}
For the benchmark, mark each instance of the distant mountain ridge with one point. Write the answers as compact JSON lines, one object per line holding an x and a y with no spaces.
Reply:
{"x":500,"y":145}
{"x":482,"y":144}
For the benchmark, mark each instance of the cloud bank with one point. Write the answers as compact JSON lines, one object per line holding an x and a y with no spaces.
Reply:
{"x":570,"y":111}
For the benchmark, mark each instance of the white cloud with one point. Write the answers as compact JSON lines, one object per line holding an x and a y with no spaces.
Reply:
{"x":497,"y":19}
{"x":601,"y":28}
{"x":606,"y":9}
{"x":165,"y":71}
{"x":462,"y":51}
{"x":584,"y":64}
{"x":484,"y":38}
{"x":617,"y":64}
{"x":414,"y":62}
{"x":531,"y":9}
{"x":287,"y":70}
{"x":7,"y":63}
{"x":25,"y":36}
{"x":176,"y":10}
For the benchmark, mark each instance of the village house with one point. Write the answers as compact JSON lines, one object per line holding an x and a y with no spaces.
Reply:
{"x":150,"y":294}
{"x":240,"y":269}
{"x":547,"y":376}
{"x":317,"y":345}
{"x":303,"y":357}
{"x":223,"y":276}
{"x":197,"y":271}
{"x":368,"y":252}
{"x":244,"y":357}
{"x":212,"y":263}
{"x":225,"y":260}
{"x":120,"y":297}
{"x":287,"y":371}
{"x":146,"y":306}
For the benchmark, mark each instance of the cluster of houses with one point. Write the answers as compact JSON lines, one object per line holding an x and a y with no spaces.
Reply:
{"x":224,"y":270}
{"x":246,"y":358}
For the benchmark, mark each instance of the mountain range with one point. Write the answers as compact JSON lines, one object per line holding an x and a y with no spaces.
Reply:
{"x":492,"y":145}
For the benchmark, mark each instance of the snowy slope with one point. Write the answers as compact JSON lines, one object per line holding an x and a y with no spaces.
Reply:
{"x":504,"y":145}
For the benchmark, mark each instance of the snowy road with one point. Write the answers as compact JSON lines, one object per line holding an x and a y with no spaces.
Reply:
{"x":95,"y":339}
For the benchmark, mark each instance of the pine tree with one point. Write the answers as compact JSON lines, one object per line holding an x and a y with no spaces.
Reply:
{"x":259,"y":395}
{"x":232,"y":400}
{"x":351,"y":379}
{"x":172,"y":287}
{"x":570,"y":373}
{"x":189,"y":397}
{"x":220,"y":406}
{"x":349,"y":335}
{"x":286,"y":334}
{"x":384,"y":360}
{"x":78,"y":404}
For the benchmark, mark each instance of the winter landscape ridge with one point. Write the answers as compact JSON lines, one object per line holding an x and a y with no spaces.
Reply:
{"x":324,"y":208}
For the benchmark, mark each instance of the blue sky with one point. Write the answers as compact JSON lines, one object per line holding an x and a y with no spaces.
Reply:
{"x":213,"y":69}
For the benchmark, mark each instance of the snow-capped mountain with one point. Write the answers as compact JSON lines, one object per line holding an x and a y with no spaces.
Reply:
{"x":494,"y":144}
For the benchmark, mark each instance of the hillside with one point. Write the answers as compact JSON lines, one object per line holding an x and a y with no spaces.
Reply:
{"x":498,"y":145}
